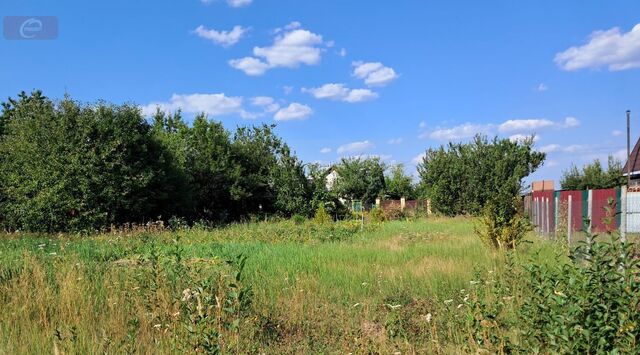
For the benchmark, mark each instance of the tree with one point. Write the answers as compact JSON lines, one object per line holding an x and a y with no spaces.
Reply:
{"x":292,"y":188}
{"x":71,"y":167}
{"x":593,"y":176}
{"x":360,"y":179}
{"x":398,"y":184}
{"x":464,"y":178}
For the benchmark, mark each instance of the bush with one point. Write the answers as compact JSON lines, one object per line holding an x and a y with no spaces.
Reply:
{"x":589,"y":305}
{"x":298,"y":219}
{"x":321,"y":216}
{"x":585,"y":304}
{"x":393,"y":213}
{"x":377,"y":214}
{"x":500,"y":233}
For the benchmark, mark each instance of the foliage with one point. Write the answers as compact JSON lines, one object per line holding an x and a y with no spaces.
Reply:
{"x":462,"y":178}
{"x":499,"y":233}
{"x":360,"y":179}
{"x":377,"y":214}
{"x":321,"y":195}
{"x":589,"y":305}
{"x":68,"y":166}
{"x":394,"y":212}
{"x":593,"y":176}
{"x":321,"y":216}
{"x":398,"y":184}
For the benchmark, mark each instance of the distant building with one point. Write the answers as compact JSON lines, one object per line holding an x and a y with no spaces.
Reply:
{"x":332,"y":176}
{"x":634,"y":160}
{"x":545,"y":185}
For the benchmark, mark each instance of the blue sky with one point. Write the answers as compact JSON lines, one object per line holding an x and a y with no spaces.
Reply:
{"x":343,"y":78}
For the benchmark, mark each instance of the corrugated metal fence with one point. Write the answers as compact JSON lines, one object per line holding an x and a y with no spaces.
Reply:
{"x":596,"y":211}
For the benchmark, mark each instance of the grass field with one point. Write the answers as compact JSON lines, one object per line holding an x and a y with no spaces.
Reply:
{"x":393,"y":287}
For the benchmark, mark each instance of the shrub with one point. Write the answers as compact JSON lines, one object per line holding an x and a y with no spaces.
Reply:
{"x":499,"y":232}
{"x":298,"y":219}
{"x":377,"y":215}
{"x":321,"y":216}
{"x":589,"y":305}
{"x":393,"y":213}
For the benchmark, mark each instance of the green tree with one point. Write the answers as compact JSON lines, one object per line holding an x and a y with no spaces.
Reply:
{"x":593,"y":176}
{"x":212,"y":170}
{"x":398,"y":184}
{"x":360,"y":179}
{"x":463,"y":178}
{"x":71,"y":167}
{"x":292,"y":188}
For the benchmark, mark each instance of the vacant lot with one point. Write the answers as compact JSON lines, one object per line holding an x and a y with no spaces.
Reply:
{"x":305,"y":287}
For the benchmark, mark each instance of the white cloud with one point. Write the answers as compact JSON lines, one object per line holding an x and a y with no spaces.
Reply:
{"x":232,"y":3}
{"x":355,"y":147}
{"x":339,"y":92}
{"x":464,"y":131}
{"x":395,"y":141}
{"x":571,"y":122}
{"x":239,"y":3}
{"x":360,"y":95}
{"x":250,"y":65}
{"x":542,"y":87}
{"x":551,"y":148}
{"x":267,"y":103}
{"x":612,"y":48}
{"x":223,"y":38}
{"x":617,"y":133}
{"x":523,"y":137}
{"x":325,"y":150}
{"x":343,"y":52}
{"x":573,"y":148}
{"x":621,"y":155}
{"x":374,"y":74}
{"x":292,"y":47}
{"x":524,"y":125}
{"x":210,"y":104}
{"x":534,"y":124}
{"x":294,"y":111}
{"x":418,"y":159}
{"x":287,"y":89}
{"x":422,"y":125}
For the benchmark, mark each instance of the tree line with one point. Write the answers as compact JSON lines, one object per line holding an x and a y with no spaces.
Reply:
{"x":67,"y":166}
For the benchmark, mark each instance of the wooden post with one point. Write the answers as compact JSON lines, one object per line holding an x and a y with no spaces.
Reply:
{"x":403,"y":202}
{"x":569,"y":222}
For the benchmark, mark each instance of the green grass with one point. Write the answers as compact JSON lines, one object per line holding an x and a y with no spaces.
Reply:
{"x":315,"y":288}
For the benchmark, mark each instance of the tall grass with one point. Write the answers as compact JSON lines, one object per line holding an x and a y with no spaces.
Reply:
{"x":304,"y":288}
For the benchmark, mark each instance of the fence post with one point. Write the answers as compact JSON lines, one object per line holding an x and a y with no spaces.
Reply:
{"x":590,"y":212}
{"x":548,"y":218}
{"x":544,"y":217}
{"x":623,"y":214}
{"x":537,"y":219}
{"x":403,"y":203}
{"x":569,"y":216}
{"x":556,"y":207}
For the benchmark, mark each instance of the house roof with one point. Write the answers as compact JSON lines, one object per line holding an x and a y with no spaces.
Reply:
{"x":634,"y":159}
